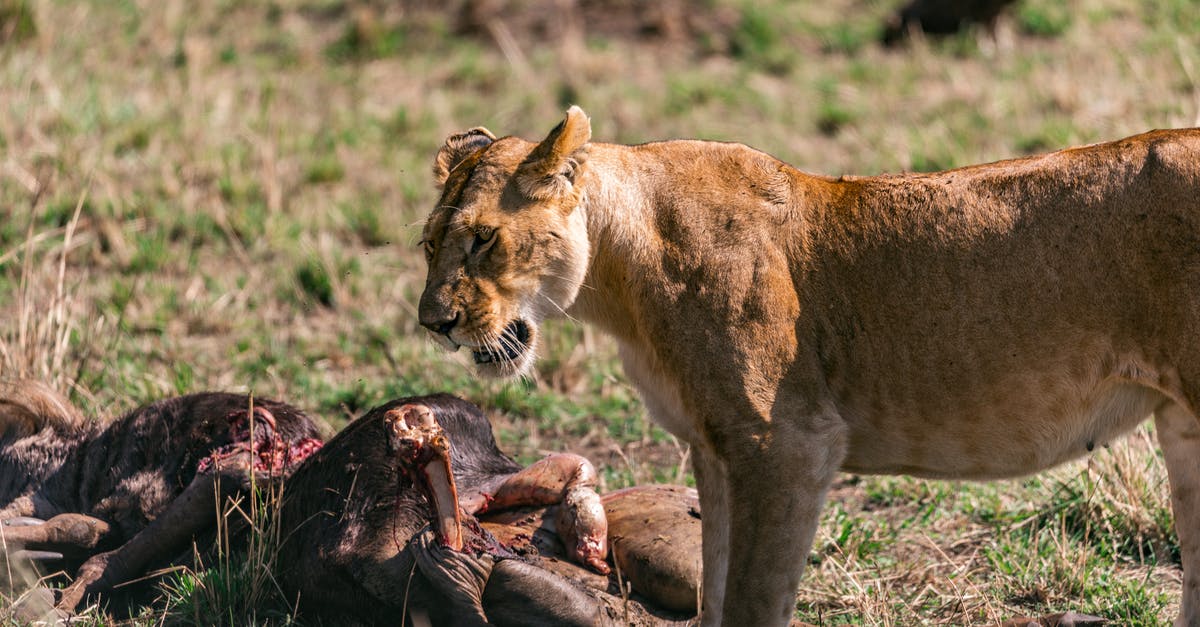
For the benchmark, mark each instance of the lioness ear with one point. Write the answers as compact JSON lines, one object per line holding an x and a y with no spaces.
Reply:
{"x":458,"y":147}
{"x":551,"y":168}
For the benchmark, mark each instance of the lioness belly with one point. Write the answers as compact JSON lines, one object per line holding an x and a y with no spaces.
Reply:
{"x":977,"y":441}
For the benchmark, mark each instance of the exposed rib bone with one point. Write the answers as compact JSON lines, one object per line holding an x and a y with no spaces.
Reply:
{"x":424,"y":451}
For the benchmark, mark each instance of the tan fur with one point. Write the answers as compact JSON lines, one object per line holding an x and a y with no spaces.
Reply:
{"x":27,"y":406}
{"x":989,"y":321}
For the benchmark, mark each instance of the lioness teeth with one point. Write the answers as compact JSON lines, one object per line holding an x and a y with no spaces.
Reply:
{"x":514,"y":341}
{"x":488,"y":355}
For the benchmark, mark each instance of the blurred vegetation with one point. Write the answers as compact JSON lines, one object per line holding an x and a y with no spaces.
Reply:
{"x":16,"y":21}
{"x":251,"y":179}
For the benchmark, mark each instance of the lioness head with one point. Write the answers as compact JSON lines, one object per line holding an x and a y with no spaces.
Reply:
{"x":507,"y":243}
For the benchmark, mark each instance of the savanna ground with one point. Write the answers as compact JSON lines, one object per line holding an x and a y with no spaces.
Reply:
{"x":225,"y":195}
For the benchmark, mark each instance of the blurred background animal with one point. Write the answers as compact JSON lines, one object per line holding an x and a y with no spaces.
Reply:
{"x":943,"y":17}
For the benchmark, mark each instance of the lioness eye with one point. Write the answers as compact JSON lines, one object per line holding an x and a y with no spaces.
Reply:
{"x":484,"y":236}
{"x":428,"y":246}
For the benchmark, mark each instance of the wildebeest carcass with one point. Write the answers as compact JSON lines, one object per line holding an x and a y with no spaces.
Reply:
{"x":412,"y":510}
{"x":107,"y":500}
{"x":415,"y":492}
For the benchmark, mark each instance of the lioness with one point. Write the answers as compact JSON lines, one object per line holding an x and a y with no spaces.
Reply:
{"x":984,"y":322}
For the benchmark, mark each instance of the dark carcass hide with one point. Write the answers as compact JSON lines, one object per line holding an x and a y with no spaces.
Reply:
{"x":412,"y":510}
{"x":79,"y":489}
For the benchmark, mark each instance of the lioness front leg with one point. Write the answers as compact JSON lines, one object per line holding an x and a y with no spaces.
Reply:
{"x":1179,"y":435}
{"x":777,"y":483}
{"x":713,"y":485}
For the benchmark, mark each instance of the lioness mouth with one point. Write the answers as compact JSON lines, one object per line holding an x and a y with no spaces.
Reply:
{"x":514,"y":341}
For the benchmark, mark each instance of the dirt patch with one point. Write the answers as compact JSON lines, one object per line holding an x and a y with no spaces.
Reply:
{"x":668,"y":21}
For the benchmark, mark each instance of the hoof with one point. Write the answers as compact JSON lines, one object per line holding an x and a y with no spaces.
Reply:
{"x":37,"y":556}
{"x":36,"y":606}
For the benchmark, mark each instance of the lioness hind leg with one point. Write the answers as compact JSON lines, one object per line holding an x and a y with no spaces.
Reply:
{"x":1179,"y":435}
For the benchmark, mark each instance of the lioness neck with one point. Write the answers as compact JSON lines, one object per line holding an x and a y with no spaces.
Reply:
{"x":658,"y":211}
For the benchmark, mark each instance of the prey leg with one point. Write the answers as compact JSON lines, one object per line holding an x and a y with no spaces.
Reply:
{"x":563,"y":479}
{"x":224,"y":474}
{"x":542,"y":483}
{"x":193,"y":511}
{"x":73,"y":535}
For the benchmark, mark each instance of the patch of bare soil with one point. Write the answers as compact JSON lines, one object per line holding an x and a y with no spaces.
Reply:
{"x":667,"y":21}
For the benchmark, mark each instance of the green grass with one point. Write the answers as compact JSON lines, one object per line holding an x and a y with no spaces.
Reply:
{"x":236,"y":587}
{"x":254,"y":176}
{"x":17,"y":21}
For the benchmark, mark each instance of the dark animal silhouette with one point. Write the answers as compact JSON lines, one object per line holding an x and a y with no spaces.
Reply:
{"x":942,"y":17}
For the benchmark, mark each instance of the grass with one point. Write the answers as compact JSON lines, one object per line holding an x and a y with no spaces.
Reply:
{"x":1094,"y":536}
{"x":238,"y":588}
{"x":39,"y":340}
{"x":253,"y":177}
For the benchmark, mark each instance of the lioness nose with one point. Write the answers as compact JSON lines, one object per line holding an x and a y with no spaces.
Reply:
{"x":442,"y":326}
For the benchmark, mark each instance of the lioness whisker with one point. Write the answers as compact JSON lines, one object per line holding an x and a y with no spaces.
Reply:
{"x":559,"y":307}
{"x":508,"y":346}
{"x":581,"y":283}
